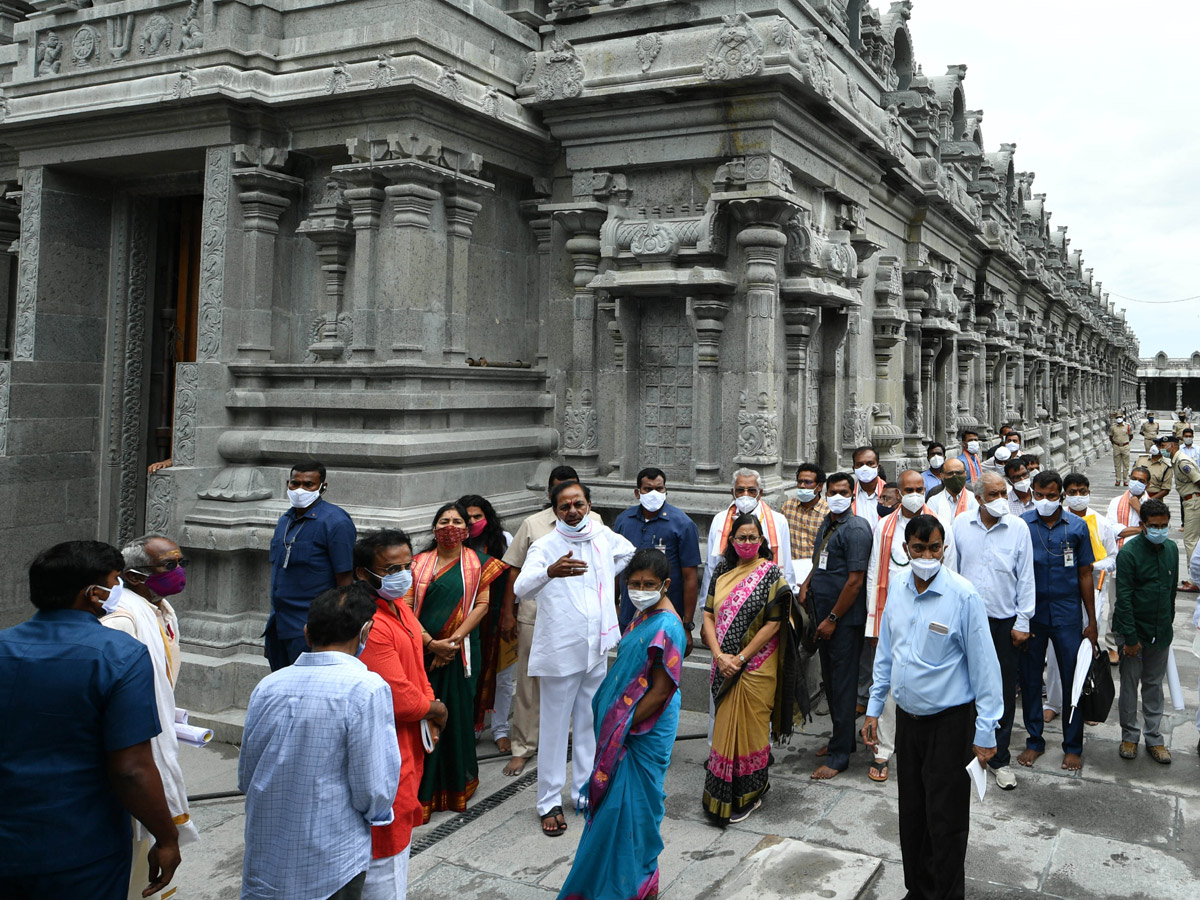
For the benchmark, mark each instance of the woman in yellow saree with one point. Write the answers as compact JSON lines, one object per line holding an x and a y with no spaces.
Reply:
{"x":746,"y":629}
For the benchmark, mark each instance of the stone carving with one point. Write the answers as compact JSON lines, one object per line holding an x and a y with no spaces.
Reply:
{"x":160,"y":498}
{"x":655,"y":240}
{"x":212,"y":253}
{"x":5,"y":388}
{"x":783,"y":33}
{"x":83,"y":45}
{"x":184,"y":83}
{"x":816,"y":61}
{"x":580,"y":423}
{"x":854,"y":424}
{"x":648,"y":48}
{"x":120,"y":36}
{"x":385,"y":72}
{"x":191,"y":37}
{"x":339,"y":78}
{"x":27,"y":271}
{"x":156,"y":35}
{"x":131,"y":396}
{"x":914,"y":415}
{"x":448,"y":85}
{"x":736,"y":51}
{"x":187,"y":384}
{"x":491,"y":103}
{"x":891,"y":132}
{"x":531,"y":60}
{"x":3,"y":106}
{"x":330,"y":336}
{"x":49,"y":55}
{"x":237,"y":484}
{"x":812,"y":403}
{"x":758,"y":431}
{"x":563,"y":74}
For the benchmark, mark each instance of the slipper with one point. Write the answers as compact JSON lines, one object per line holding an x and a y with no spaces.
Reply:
{"x":745,"y":813}
{"x":1188,"y":588}
{"x":882,"y":768}
{"x":550,"y":819}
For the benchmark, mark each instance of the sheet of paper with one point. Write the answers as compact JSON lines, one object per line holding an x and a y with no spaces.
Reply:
{"x":426,"y":736}
{"x":181,"y":716}
{"x":978,"y":776}
{"x":193,"y":734}
{"x":1173,"y":684}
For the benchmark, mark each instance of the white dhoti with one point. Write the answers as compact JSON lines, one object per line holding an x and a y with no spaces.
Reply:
{"x":506,"y":682}
{"x":566,"y":700}
{"x":387,"y":878}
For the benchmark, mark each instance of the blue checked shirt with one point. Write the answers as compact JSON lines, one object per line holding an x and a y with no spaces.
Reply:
{"x":319,"y":766}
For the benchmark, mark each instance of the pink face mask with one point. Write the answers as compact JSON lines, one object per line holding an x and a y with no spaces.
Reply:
{"x":747,"y":551}
{"x":476,"y":528}
{"x":167,"y":584}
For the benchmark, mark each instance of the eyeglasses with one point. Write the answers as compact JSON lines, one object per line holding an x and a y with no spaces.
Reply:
{"x":742,"y":539}
{"x":393,"y":570}
{"x":170,"y":565}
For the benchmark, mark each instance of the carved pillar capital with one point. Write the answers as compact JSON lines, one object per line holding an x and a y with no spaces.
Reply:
{"x":264,"y":196}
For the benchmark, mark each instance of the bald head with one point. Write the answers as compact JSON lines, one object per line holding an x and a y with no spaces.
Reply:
{"x":954,"y":467}
{"x":910,"y":481}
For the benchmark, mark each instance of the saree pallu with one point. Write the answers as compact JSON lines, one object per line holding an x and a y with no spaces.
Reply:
{"x":451,"y":774}
{"x":618,"y":852}
{"x":742,"y":601}
{"x":497,"y":654}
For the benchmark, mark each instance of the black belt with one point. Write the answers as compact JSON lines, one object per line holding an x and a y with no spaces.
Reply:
{"x":937,"y":715}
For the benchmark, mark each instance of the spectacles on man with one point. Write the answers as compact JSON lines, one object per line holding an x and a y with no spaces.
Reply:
{"x":170,"y":565}
{"x":392,"y":570}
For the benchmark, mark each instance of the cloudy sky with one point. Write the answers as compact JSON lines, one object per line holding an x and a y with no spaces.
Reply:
{"x":1099,"y":100}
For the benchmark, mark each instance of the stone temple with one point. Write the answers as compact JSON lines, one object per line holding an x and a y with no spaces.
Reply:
{"x":695,"y":235}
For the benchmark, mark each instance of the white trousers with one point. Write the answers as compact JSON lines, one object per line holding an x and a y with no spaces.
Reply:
{"x":506,"y":683}
{"x":566,"y":698}
{"x":387,"y":878}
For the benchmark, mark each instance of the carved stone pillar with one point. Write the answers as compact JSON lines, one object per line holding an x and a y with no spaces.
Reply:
{"x":412,"y":193}
{"x":25,"y":326}
{"x":331,"y":229}
{"x":929,"y":352}
{"x":264,"y":194}
{"x":1178,"y":396}
{"x":1142,"y":394}
{"x":797,"y":333}
{"x":461,"y":211}
{"x":218,"y":162}
{"x":708,"y":318}
{"x":365,"y":198}
{"x":10,"y":234}
{"x":538,"y":313}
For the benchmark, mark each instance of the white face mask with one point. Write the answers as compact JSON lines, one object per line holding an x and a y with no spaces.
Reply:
{"x":1077,"y":503}
{"x":913,"y":502}
{"x":926,"y":569}
{"x":643,"y":600}
{"x":653,"y":501}
{"x":997,"y":507}
{"x":1137,"y":488}
{"x":1120,"y":421}
{"x":936,"y":462}
{"x":303,"y":499}
{"x":745,"y":504}
{"x":838,"y":503}
{"x":114,"y":595}
{"x":867,"y":474}
{"x":1047,"y":507}
{"x":806,"y":495}
{"x":1187,"y":442}
{"x":1154,"y":451}
{"x":974,"y":446}
{"x":1022,"y":486}
{"x":1011,"y":447}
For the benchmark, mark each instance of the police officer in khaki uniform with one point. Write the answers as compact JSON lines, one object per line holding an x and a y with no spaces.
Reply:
{"x":1149,"y":431}
{"x":1160,"y":473}
{"x":1178,"y":426}
{"x":1187,"y":482}
{"x":1120,"y":433}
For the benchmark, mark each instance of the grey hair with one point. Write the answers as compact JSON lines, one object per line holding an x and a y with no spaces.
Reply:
{"x":979,"y":487}
{"x":747,"y":473}
{"x":135,"y":552}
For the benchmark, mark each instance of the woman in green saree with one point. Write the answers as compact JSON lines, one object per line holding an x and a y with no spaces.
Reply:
{"x":450,"y":595}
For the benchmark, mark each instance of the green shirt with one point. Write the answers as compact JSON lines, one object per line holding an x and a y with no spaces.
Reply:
{"x":1146,"y":578}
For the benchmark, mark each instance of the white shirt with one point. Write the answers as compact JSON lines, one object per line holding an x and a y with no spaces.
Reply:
{"x":998,"y":561}
{"x":1114,"y":513}
{"x":1192,"y":453}
{"x":577,"y":616}
{"x":897,"y":566}
{"x":783,"y":557}
{"x":866,"y":506}
{"x":1107,"y":533}
{"x":943,"y":506}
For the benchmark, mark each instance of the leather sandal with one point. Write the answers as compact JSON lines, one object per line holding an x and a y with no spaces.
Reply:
{"x":551,"y":818}
{"x":880,"y":767}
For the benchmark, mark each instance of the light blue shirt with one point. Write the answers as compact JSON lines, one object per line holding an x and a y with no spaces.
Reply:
{"x":999,"y":563}
{"x":319,"y":766}
{"x":928,"y":672}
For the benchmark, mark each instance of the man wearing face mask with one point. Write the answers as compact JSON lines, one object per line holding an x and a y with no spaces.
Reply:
{"x":1186,"y":475}
{"x":747,"y":498}
{"x":995,"y":554}
{"x":1062,"y":568}
{"x":1120,"y":433}
{"x":888,"y":564}
{"x":79,"y":716}
{"x":654,"y":523}
{"x":837,"y":597}
{"x":998,"y":460}
{"x":952,"y":497}
{"x":1004,"y":432}
{"x":1189,"y":448}
{"x":395,"y":651}
{"x":1020,"y":493}
{"x":867,"y":485}
{"x":937,"y":661}
{"x":1149,"y":431}
{"x":935,"y":453}
{"x":154,"y":570}
{"x":1124,"y":512}
{"x":1159,"y":487}
{"x":970,"y":454}
{"x":804,"y":513}
{"x":1147,"y":570}
{"x":312,"y":551}
{"x":320,"y":762}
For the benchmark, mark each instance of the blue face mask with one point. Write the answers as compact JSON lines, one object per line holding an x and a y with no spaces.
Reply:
{"x":1157,"y":535}
{"x":362,"y":643}
{"x":395,"y":586}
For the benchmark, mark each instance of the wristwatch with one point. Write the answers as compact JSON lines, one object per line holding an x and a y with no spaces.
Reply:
{"x":689,"y":627}
{"x":832,"y":617}
{"x":741,"y":659}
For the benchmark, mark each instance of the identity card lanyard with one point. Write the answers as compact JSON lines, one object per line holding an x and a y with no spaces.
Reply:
{"x":1068,"y":552}
{"x":287,"y":545}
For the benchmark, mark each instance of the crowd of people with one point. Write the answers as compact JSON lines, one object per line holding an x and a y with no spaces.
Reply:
{"x":930,"y":603}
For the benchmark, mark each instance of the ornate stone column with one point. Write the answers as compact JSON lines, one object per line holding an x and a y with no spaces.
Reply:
{"x":1142,"y":394}
{"x":1178,"y":396}
{"x":412,"y":192}
{"x":25,"y":324}
{"x":365,"y":197}
{"x":798,"y":320}
{"x":708,"y":319}
{"x":543,"y":229}
{"x":331,"y":229}
{"x":462,"y":208}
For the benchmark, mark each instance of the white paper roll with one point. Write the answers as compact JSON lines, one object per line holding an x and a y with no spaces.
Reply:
{"x":181,"y":716}
{"x":193,"y":734}
{"x":1173,"y":680}
{"x":426,"y":736}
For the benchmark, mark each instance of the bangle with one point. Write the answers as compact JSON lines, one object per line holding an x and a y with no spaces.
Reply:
{"x":426,"y":634}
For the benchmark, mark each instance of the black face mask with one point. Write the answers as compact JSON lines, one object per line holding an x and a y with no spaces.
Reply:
{"x":884,"y":511}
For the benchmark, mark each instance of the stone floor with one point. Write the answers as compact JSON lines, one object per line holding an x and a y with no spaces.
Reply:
{"x":1119,"y":829}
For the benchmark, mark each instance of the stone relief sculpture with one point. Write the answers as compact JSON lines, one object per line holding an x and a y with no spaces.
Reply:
{"x":184,"y":83}
{"x":131,"y":393}
{"x":27,"y":269}
{"x":758,"y":431}
{"x":339,"y":78}
{"x":5,"y":381}
{"x":816,"y":61}
{"x":237,"y":484}
{"x":449,"y":85}
{"x":49,"y":55}
{"x":854,"y":424}
{"x":491,"y":103}
{"x":648,"y":48}
{"x":160,"y":498}
{"x":191,"y":37}
{"x":385,"y":72}
{"x":120,"y":36}
{"x":83,"y":45}
{"x":736,"y":51}
{"x":187,"y":384}
{"x":212,"y":266}
{"x":580,"y":422}
{"x":156,"y":35}
{"x":783,"y":33}
{"x":562,"y":76}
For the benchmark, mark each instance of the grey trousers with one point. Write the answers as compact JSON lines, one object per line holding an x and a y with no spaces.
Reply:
{"x":1149,"y":672}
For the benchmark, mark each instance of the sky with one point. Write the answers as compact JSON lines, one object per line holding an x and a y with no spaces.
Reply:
{"x":1098,"y":97}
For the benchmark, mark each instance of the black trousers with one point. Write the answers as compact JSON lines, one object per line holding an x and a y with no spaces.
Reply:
{"x":935,"y":800}
{"x":1007,"y":654}
{"x":839,"y":674}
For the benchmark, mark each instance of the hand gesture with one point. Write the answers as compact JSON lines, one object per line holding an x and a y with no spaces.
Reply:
{"x":163,"y":863}
{"x":983,"y":754}
{"x":442,"y":651}
{"x":870,"y":732}
{"x":728,"y":664}
{"x":566,"y":566}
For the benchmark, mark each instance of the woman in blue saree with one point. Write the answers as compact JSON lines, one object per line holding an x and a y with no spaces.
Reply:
{"x":637,"y":715}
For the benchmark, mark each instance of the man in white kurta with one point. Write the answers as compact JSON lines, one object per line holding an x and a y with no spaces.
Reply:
{"x":153,"y":561}
{"x":571,"y":572}
{"x":748,"y":498}
{"x":912,"y":487}
{"x":952,"y":498}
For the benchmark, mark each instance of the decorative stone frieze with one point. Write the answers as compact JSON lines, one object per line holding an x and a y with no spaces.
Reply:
{"x":736,"y":51}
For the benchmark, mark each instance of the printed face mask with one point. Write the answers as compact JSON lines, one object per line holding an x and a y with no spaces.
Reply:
{"x":746,"y":551}
{"x":449,"y":535}
{"x":168,"y":584}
